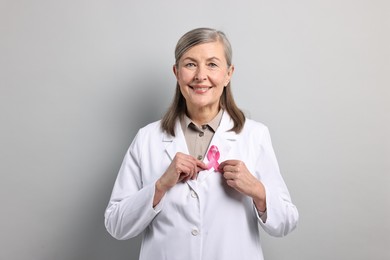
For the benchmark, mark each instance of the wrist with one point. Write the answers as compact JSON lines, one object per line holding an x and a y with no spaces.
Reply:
{"x":160,"y":187}
{"x":159,"y":192}
{"x":259,"y":198}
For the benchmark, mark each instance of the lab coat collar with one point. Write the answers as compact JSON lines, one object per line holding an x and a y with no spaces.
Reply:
{"x":222,"y":138}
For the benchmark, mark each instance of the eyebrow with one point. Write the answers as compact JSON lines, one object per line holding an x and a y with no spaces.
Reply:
{"x":214,"y":58}
{"x":209,"y":59}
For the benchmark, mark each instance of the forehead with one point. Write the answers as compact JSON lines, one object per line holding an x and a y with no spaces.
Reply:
{"x":206,"y":51}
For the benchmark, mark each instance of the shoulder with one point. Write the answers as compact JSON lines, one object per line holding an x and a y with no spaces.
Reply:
{"x":152,"y":127}
{"x":255,"y":136}
{"x":146,"y":136}
{"x":255,"y":132}
{"x":250,"y":126}
{"x":150,"y":130}
{"x":254,"y":126}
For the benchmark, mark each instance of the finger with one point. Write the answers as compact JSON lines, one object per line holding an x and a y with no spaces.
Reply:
{"x":184,"y":179}
{"x":231,"y":183}
{"x":197,"y":167}
{"x":189,"y":176}
{"x":222,"y":166}
{"x":190,"y":166}
{"x":200,"y":165}
{"x":229,"y":162}
{"x":187,"y":170}
{"x":192,"y":160}
{"x":194,"y":176}
{"x":228,"y":169}
{"x":181,"y":178}
{"x":229,"y":175}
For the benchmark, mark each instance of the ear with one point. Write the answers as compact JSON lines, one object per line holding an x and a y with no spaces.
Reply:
{"x":175,"y":72}
{"x":229,"y":74}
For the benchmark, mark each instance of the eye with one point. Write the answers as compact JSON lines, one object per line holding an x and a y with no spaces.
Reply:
{"x":190,"y":65}
{"x":212,"y":65}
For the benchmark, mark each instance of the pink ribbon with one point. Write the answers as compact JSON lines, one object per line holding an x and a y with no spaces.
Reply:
{"x":213,"y":156}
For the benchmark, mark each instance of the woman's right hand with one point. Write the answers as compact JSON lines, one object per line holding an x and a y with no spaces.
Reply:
{"x":183,"y":167}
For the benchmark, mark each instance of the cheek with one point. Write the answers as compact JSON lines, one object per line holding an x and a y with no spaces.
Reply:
{"x":219,"y":78}
{"x":185,"y":76}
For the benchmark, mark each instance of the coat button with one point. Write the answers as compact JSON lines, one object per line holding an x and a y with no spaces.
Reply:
{"x":200,"y":157}
{"x":195,"y":232}
{"x":193,"y":194}
{"x":201,"y":134}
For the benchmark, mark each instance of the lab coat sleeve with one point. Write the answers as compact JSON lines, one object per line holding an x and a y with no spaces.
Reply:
{"x":281,"y":214}
{"x":130,"y":209}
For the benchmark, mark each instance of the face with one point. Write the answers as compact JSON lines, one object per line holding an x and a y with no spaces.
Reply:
{"x":202,"y":73}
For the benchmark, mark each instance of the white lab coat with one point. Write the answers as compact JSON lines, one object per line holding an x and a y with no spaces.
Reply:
{"x":202,"y":219}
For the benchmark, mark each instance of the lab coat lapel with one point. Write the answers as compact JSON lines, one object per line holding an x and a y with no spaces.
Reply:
{"x":223,"y":138}
{"x":177,"y":143}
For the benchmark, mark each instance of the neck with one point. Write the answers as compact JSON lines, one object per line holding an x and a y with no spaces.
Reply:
{"x":202,"y":115}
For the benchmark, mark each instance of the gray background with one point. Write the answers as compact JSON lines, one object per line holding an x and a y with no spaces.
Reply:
{"x":78,"y":78}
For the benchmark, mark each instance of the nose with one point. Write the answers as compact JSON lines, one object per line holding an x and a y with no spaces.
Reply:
{"x":200,"y":74}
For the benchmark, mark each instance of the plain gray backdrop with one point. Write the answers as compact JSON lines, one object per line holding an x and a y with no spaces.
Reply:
{"x":79,"y":78}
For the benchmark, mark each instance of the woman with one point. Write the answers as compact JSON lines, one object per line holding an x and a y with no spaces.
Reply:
{"x":200,"y":182}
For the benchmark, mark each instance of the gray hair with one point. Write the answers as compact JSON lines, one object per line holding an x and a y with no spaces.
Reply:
{"x":199,"y":36}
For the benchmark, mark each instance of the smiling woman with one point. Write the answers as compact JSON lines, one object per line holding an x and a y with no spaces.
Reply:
{"x":197,"y":38}
{"x":204,"y":161}
{"x":202,"y":73}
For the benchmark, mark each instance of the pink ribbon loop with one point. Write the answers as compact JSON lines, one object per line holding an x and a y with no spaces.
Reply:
{"x":213,"y":157}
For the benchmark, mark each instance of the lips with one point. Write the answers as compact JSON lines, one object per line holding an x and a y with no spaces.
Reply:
{"x":200,"y":89}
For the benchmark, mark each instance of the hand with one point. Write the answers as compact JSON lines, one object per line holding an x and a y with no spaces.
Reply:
{"x":183,"y":167}
{"x":238,"y":177}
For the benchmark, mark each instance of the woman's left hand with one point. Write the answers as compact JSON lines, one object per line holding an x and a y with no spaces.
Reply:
{"x":238,"y":177}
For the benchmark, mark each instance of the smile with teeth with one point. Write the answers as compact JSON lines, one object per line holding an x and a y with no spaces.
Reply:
{"x":200,"y":89}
